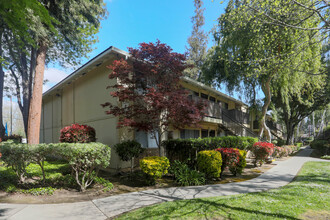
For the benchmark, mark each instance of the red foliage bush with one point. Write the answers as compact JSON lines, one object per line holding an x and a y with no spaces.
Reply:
{"x":77,"y":133}
{"x":230,"y":158}
{"x":261,"y":151}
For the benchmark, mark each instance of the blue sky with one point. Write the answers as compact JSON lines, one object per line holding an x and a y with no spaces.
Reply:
{"x":131,"y":22}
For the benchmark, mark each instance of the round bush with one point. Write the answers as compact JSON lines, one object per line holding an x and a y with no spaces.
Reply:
{"x":209,"y":162}
{"x":128,"y":149}
{"x":230,"y":158}
{"x":154,"y":167}
{"x":77,"y":133}
{"x":261,"y":151}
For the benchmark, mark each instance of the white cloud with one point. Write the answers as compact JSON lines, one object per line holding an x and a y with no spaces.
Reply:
{"x":53,"y":76}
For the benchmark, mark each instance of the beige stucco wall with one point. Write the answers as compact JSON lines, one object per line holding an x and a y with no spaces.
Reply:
{"x":80,"y":102}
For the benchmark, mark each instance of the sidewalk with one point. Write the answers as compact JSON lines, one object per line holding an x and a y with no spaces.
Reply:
{"x":276,"y":177}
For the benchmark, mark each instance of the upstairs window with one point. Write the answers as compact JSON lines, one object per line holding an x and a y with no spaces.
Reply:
{"x":204,"y":96}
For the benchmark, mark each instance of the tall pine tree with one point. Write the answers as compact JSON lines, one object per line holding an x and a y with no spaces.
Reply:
{"x":197,"y":43}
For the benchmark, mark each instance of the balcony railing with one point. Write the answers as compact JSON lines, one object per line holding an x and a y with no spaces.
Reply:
{"x":214,"y":110}
{"x":239,"y":116}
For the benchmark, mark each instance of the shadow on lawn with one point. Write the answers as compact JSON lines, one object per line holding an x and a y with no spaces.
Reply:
{"x":205,"y":208}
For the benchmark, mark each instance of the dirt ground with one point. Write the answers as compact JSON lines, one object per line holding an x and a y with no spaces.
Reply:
{"x":123,"y":183}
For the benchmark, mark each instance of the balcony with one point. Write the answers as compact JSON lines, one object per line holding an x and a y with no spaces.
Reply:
{"x":214,"y":110}
{"x":236,"y":115}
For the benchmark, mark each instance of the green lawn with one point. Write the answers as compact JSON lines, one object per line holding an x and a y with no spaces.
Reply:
{"x":57,"y":175}
{"x":306,"y":197}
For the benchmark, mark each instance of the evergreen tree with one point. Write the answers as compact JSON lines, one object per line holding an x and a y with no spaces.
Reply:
{"x":197,"y":43}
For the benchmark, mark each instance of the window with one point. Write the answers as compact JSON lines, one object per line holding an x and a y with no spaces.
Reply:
{"x":226,"y":106}
{"x":212,"y":99}
{"x":205,"y":133}
{"x":212,"y":133}
{"x":186,"y":133}
{"x":170,"y":135}
{"x":204,"y":96}
{"x":196,"y":93}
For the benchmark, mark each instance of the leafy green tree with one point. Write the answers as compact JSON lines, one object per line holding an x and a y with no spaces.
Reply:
{"x":197,"y":43}
{"x":68,"y":37}
{"x":82,"y":16}
{"x":293,"y":108}
{"x":251,"y":51}
{"x":18,"y":17}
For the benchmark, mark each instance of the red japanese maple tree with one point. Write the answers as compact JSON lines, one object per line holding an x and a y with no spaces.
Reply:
{"x":149,"y":92}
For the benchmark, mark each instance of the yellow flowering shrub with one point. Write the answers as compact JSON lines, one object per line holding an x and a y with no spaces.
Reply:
{"x":209,"y":162}
{"x":155,"y":167}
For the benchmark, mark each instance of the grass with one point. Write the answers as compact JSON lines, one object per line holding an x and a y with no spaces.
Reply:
{"x":306,"y":197}
{"x":57,"y":175}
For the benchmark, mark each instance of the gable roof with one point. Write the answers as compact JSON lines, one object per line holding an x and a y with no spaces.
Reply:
{"x":103,"y":56}
{"x":81,"y":71}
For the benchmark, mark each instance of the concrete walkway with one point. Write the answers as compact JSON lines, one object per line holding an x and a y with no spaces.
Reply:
{"x":278,"y":176}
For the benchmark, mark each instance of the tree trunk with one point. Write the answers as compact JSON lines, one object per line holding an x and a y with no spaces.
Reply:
{"x":2,"y":79}
{"x":36,"y":99}
{"x":313,"y":115}
{"x":298,"y":130}
{"x":263,"y":127}
{"x":290,"y":133}
{"x":322,"y":123}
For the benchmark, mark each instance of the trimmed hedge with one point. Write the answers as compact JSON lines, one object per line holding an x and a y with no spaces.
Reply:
{"x":16,"y":156}
{"x":181,"y":149}
{"x":85,"y":159}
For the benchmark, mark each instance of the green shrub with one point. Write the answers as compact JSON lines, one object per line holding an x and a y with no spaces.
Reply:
{"x":17,"y":139}
{"x":184,"y":176}
{"x":280,"y":142}
{"x":181,"y":149}
{"x":323,"y":146}
{"x":39,"y":191}
{"x":105,"y":183}
{"x":85,"y":160}
{"x":10,"y":188}
{"x":326,"y":157}
{"x":17,"y":156}
{"x":309,"y":140}
{"x":39,"y":152}
{"x":299,"y":144}
{"x":154,"y":167}
{"x":209,"y":162}
{"x":128,"y":150}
